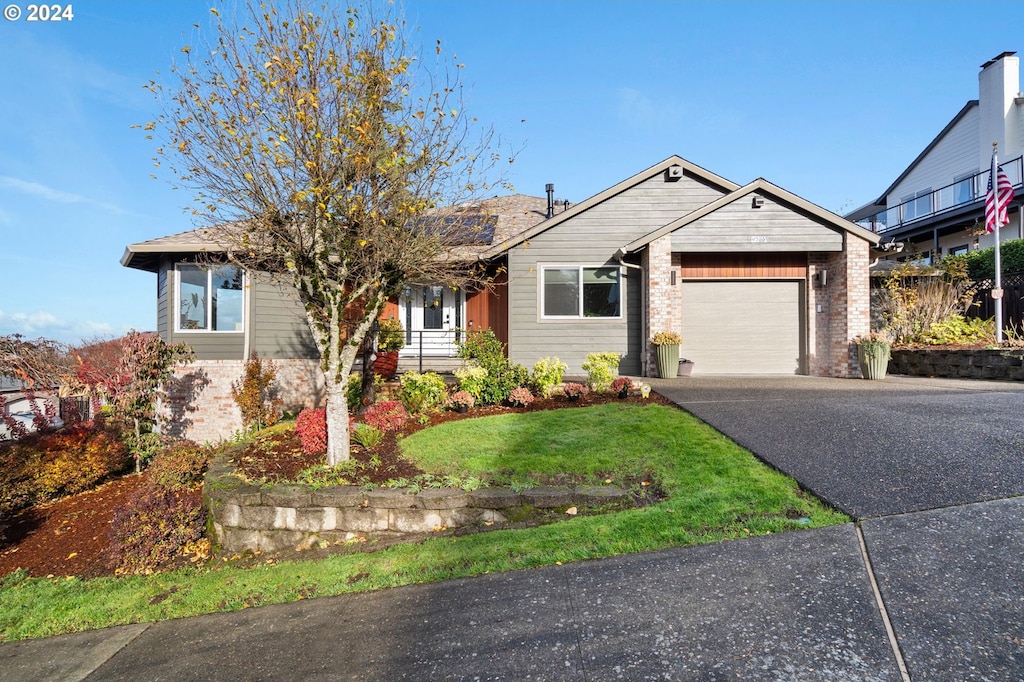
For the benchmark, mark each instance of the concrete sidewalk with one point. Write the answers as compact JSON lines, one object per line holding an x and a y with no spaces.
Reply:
{"x":793,"y":606}
{"x":949,"y":604}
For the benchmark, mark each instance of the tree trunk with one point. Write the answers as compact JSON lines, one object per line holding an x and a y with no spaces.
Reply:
{"x":338,"y":442}
{"x":368,"y":393}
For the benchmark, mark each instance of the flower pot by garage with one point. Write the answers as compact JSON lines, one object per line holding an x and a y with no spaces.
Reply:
{"x":386,"y":364}
{"x":874,"y":359}
{"x":685,"y":368}
{"x":668,"y":360}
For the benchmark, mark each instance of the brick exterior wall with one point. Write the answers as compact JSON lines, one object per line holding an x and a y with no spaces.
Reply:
{"x":844,"y":303}
{"x":199,"y":405}
{"x":664,"y":307}
{"x":845,"y":308}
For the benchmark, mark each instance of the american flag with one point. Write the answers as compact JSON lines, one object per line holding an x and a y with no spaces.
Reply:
{"x":997,"y":200}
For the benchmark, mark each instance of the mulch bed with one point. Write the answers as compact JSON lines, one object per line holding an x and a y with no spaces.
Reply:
{"x":70,"y":536}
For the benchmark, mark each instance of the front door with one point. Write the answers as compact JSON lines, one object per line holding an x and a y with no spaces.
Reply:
{"x":432,"y":317}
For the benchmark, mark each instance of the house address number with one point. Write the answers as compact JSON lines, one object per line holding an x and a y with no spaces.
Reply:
{"x":758,"y":239}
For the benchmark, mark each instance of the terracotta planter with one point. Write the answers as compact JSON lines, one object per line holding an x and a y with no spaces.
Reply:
{"x":668,"y":360}
{"x":386,"y":364}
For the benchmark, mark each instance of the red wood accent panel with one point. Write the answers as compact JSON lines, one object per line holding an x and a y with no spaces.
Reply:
{"x":487,"y":308}
{"x":744,"y":266}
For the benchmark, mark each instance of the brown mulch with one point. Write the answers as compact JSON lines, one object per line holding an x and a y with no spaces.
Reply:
{"x":69,"y":537}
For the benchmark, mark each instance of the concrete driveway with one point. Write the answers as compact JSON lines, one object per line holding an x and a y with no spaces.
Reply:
{"x":873,"y":448}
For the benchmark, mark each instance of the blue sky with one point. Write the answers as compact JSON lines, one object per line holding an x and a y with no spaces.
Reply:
{"x":830,"y":100}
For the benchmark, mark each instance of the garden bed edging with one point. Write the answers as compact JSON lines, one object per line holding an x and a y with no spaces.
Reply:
{"x":1000,"y":364}
{"x":247,"y":517}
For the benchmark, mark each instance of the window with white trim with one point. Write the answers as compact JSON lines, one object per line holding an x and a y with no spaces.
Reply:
{"x":210,"y":298}
{"x":578,"y":291}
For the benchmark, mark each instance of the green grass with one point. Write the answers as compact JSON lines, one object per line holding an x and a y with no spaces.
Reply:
{"x":716,"y":491}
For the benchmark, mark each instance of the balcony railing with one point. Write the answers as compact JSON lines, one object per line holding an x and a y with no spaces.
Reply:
{"x":962,"y":192}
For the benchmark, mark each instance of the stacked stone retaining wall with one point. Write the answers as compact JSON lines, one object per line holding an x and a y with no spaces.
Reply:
{"x":999,"y":364}
{"x":273,"y":518}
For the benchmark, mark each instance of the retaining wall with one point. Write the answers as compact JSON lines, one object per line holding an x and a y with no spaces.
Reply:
{"x":248,"y":517}
{"x":999,"y":364}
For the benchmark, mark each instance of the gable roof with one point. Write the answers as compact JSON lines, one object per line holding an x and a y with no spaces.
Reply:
{"x":872,"y":207}
{"x":690,"y":168}
{"x":480,"y":224}
{"x":764,"y":187}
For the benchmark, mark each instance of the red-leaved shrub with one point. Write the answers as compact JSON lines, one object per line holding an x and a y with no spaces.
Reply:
{"x":163,"y":516}
{"x":311,"y":427}
{"x":154,"y":526}
{"x":387,"y":415}
{"x":45,"y":466}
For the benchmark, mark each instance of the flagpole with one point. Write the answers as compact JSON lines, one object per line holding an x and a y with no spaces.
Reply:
{"x":997,"y":291}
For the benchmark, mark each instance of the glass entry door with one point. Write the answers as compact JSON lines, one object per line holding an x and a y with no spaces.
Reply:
{"x":432,"y":317}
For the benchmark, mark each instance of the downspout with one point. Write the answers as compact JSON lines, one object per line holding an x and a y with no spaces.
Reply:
{"x":644,"y":322}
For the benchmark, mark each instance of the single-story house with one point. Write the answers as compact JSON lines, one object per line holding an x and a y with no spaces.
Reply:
{"x":756,"y":280}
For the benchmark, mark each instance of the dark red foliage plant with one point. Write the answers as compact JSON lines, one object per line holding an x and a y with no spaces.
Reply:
{"x":311,"y":427}
{"x":387,"y":415}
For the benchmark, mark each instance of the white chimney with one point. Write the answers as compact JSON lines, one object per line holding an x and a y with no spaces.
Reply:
{"x":998,"y":85}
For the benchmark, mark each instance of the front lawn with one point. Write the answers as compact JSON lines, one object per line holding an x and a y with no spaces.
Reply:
{"x":714,"y":491}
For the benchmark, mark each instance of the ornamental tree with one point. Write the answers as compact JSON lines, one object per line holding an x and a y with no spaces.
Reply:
{"x":321,"y":151}
{"x":147,"y":363}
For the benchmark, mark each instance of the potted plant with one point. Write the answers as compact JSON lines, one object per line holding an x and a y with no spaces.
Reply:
{"x":666,"y":348}
{"x":460,"y":401}
{"x":390,"y":340}
{"x":621,"y":386}
{"x":873,"y":351}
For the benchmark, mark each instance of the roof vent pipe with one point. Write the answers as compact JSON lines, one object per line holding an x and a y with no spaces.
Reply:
{"x":551,"y":199}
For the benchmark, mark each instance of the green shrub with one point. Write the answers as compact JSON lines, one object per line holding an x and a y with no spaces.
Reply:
{"x":472,"y":380}
{"x":955,"y":330}
{"x":547,"y":375}
{"x":601,"y":369}
{"x":367,"y":436}
{"x":484,"y":349}
{"x":422,"y":392}
{"x":981,"y":264}
{"x":354,"y":391}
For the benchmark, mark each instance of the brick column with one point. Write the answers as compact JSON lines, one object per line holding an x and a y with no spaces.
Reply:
{"x":663,"y":312}
{"x":845,"y":308}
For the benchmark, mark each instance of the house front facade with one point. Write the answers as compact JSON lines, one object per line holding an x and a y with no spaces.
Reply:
{"x":936,"y":207}
{"x":754,"y":278}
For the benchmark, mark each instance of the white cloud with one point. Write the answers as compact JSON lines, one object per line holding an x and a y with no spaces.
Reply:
{"x":46,"y":325}
{"x":55,"y":195}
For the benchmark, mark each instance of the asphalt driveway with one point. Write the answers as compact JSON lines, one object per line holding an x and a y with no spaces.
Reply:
{"x":873,"y":448}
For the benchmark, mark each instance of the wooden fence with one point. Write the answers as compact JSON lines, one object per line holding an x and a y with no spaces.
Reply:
{"x":1013,"y":301}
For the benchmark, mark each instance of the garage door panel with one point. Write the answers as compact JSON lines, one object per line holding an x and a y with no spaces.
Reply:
{"x":742,"y":327}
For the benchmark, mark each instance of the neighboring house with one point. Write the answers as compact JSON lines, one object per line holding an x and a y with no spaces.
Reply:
{"x":756,"y":279}
{"x":936,"y":207}
{"x":18,"y":404}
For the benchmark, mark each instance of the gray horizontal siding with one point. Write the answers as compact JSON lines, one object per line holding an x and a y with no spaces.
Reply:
{"x":278,"y":321}
{"x":738,"y":227}
{"x":592,"y":238}
{"x":161,"y":301}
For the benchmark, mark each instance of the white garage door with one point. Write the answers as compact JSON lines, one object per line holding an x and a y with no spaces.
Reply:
{"x":742,"y":327}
